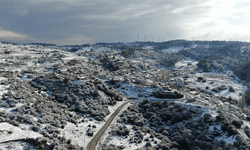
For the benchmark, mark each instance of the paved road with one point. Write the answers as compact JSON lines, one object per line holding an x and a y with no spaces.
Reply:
{"x":92,"y":144}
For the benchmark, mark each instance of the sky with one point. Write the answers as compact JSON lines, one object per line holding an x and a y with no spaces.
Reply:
{"x":66,"y":22}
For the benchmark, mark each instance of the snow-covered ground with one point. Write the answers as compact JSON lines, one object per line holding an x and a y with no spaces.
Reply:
{"x":24,"y":58}
{"x":134,"y":91}
{"x":148,"y":47}
{"x":3,"y":88}
{"x":173,"y":49}
{"x":119,"y":140}
{"x":9,"y":132}
{"x":213,"y":80}
{"x":184,"y":63}
{"x":97,"y":49}
{"x":78,"y":133}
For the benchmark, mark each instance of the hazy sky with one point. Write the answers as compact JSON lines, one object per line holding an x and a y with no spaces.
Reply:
{"x":90,"y":21}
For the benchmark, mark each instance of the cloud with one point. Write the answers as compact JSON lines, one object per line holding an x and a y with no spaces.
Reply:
{"x":95,"y":20}
{"x":73,"y":39}
{"x":22,"y":11}
{"x":9,"y":35}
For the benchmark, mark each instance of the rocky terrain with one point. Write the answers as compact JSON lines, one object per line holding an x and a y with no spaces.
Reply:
{"x":59,"y":97}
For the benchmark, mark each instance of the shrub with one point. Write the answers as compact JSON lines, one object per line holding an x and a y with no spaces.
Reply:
{"x":91,"y":76}
{"x":243,"y":71}
{"x":36,"y":128}
{"x":50,"y":129}
{"x":66,"y":79}
{"x":247,"y":96}
{"x":56,"y":123}
{"x":41,"y":143}
{"x":3,"y":105}
{"x":231,"y":89}
{"x":154,"y":84}
{"x":2,"y":119}
{"x":40,"y":120}
{"x":15,"y":123}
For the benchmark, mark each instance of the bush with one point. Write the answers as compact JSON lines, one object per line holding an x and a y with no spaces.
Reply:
{"x":50,"y":129}
{"x":36,"y":128}
{"x":231,"y":89}
{"x":154,"y":84}
{"x":15,"y":123}
{"x":140,"y":81}
{"x":2,"y":119}
{"x":41,"y":143}
{"x":243,"y":71}
{"x":66,"y":79}
{"x":40,"y":120}
{"x":91,"y":76}
{"x":247,"y":96}
{"x":122,"y":130}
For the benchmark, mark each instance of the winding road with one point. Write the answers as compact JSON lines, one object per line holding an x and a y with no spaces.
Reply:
{"x":92,"y":144}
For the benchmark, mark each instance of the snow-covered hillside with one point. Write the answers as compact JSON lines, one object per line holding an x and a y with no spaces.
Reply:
{"x":65,"y":97}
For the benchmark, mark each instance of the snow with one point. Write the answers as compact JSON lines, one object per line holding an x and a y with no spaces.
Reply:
{"x":185,"y":62}
{"x":77,"y":133}
{"x":71,"y":130}
{"x":9,"y":132}
{"x":85,"y":49}
{"x":3,"y":88}
{"x":148,"y":47}
{"x":173,"y":49}
{"x":119,"y":140}
{"x":97,"y":49}
{"x":9,"y":109}
{"x":239,"y":88}
{"x":218,"y":79}
{"x":78,"y":82}
{"x":211,"y":128}
{"x":140,"y":93}
{"x":17,"y":146}
{"x":230,"y":139}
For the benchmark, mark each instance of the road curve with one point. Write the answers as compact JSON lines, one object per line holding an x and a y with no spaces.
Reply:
{"x":92,"y":144}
